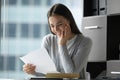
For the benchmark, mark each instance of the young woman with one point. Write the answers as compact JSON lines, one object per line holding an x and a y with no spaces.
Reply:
{"x":67,"y":46}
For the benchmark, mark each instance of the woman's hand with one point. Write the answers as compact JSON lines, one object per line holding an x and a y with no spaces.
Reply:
{"x":29,"y":68}
{"x":65,"y":35}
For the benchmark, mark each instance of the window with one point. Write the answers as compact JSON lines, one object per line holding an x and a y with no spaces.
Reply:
{"x":36,"y":2}
{"x":2,"y":2}
{"x":12,"y":2}
{"x":47,"y":29}
{"x":10,"y":63}
{"x":9,"y":2}
{"x":24,"y":24}
{"x":1,"y":30}
{"x":11,"y":30}
{"x":36,"y":30}
{"x":48,"y":2}
{"x":1,"y":63}
{"x":24,"y":30}
{"x":26,"y":2}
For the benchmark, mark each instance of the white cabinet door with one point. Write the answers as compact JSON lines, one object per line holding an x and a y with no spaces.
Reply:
{"x":113,"y":6}
{"x":95,"y":28}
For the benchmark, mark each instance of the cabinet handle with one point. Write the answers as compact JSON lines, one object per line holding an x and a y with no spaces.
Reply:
{"x":92,"y":27}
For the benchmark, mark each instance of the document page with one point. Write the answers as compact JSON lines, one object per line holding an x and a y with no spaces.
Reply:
{"x":41,"y":59}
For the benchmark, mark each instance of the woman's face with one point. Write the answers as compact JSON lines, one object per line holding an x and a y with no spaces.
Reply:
{"x":58,"y":24}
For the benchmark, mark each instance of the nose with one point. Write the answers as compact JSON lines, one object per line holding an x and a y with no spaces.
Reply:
{"x":56,"y":28}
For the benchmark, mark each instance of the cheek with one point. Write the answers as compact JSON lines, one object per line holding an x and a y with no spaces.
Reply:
{"x":62,"y":28}
{"x":52,"y":30}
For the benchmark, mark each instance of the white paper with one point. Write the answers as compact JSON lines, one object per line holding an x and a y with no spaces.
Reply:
{"x":41,"y":59}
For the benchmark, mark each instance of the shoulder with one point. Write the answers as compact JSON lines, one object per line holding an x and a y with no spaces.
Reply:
{"x":85,"y":40}
{"x":49,"y":37}
{"x":46,"y":41}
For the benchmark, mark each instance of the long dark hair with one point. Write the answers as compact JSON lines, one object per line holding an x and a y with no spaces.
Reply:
{"x":62,"y":10}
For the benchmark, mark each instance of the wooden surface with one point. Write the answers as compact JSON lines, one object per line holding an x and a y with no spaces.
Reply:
{"x":62,"y":75}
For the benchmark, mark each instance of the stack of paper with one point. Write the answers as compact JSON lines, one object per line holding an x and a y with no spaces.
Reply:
{"x":41,"y":59}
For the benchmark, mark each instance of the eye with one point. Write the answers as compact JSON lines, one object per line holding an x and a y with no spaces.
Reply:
{"x":60,"y":24}
{"x":51,"y":26}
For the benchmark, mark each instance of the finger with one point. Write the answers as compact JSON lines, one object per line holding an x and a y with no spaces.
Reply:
{"x":62,"y":33}
{"x":25,"y":69}
{"x":28,"y":66}
{"x":29,"y":70}
{"x":66,"y":31}
{"x":25,"y":65}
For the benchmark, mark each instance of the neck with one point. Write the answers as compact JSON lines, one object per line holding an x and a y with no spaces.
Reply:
{"x":71,"y":36}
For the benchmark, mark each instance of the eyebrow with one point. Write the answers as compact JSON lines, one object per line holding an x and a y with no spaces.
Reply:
{"x":57,"y":22}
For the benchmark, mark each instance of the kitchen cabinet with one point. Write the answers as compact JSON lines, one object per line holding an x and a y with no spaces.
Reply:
{"x":101,"y":23}
{"x":105,"y":33}
{"x":95,"y":28}
{"x":113,"y":7}
{"x":104,"y":30}
{"x":101,"y":7}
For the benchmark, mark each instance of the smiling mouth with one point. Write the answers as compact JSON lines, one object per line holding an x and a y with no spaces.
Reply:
{"x":58,"y":34}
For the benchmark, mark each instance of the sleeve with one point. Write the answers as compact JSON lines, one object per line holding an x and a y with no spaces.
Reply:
{"x":80,"y":58}
{"x":66,"y":60}
{"x":82,"y":54}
